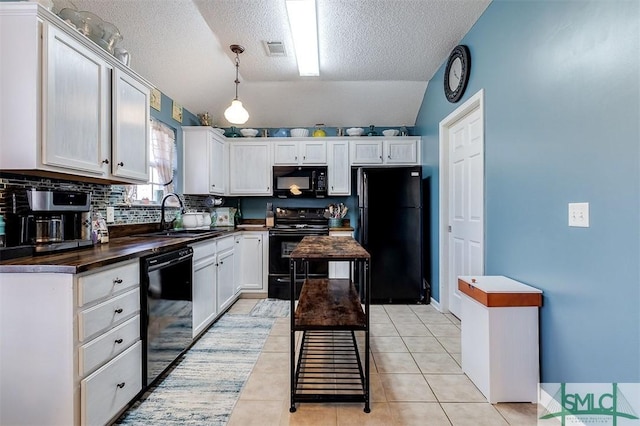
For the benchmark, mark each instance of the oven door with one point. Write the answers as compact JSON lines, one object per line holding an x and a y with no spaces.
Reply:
{"x":280,"y":248}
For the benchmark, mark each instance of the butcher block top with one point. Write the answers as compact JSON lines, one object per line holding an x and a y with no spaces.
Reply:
{"x":329,"y":248}
{"x":499,"y":291}
{"x":117,"y":250}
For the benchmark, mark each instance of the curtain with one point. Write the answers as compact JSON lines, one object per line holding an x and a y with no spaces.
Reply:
{"x":163,"y":149}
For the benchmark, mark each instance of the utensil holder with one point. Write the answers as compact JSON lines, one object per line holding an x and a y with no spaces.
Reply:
{"x":335,"y":222}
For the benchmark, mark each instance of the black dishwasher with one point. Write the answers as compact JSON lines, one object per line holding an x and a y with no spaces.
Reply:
{"x":167,"y":307}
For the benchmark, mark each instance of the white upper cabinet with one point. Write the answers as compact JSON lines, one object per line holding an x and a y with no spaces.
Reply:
{"x":250,"y":168}
{"x":366,"y":151}
{"x":401,"y":151}
{"x":130,"y":141}
{"x":76,"y":89}
{"x":205,"y":161}
{"x":300,"y":152}
{"x":68,"y":107}
{"x":338,"y":168}
{"x":218,"y":165}
{"x":382,"y":151}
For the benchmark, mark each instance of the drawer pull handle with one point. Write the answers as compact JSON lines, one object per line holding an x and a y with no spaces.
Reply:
{"x":118,"y":281}
{"x":120,"y":385}
{"x":118,"y":341}
{"x":121,"y":164}
{"x":118,"y":311}
{"x":105,"y":161}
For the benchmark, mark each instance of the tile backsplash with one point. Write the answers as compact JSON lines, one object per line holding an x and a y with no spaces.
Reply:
{"x":102,"y":195}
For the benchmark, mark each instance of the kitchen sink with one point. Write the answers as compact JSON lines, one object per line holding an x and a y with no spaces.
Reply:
{"x":183,"y":233}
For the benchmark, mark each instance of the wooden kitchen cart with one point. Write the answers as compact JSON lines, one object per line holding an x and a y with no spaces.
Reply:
{"x":329,"y":365}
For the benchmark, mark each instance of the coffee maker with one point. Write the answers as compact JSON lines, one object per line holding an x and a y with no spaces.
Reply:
{"x":49,"y":220}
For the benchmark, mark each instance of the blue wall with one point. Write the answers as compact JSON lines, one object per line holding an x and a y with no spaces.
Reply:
{"x":562,"y":111}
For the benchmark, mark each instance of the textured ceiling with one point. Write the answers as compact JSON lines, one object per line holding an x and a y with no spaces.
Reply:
{"x":376,"y":56}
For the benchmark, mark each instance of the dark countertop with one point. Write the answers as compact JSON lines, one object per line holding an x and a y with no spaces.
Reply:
{"x":327,"y":247}
{"x":116,"y":250}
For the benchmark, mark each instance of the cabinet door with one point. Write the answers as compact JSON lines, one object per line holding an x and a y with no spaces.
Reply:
{"x":76,"y":106}
{"x":225,"y":279}
{"x":217,"y":165}
{"x":249,"y":168}
{"x":401,"y":152}
{"x":366,"y":152}
{"x":131,"y":133}
{"x":204,"y":293}
{"x":313,"y":152}
{"x":196,"y":159}
{"x":338,"y":168}
{"x":285,"y":153}
{"x":251,"y":264}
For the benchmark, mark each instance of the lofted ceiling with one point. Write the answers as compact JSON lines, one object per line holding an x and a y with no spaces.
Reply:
{"x":376,"y":56}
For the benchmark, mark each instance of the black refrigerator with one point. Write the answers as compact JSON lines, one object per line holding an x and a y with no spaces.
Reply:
{"x":390,"y":229}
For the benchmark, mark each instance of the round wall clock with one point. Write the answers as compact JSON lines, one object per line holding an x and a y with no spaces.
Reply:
{"x":456,"y":74}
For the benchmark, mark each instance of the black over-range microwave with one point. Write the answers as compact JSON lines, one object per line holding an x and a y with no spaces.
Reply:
{"x":299,"y":181}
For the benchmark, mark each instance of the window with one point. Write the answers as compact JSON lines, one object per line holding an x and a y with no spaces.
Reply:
{"x":162,"y":166}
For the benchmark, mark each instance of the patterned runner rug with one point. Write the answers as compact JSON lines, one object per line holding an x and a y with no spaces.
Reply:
{"x":274,"y":308}
{"x":203,"y":387}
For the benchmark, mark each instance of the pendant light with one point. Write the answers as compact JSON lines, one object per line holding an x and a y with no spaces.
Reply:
{"x":236,"y":114}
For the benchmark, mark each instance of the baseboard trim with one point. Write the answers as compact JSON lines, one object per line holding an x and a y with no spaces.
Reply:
{"x":436,"y":304}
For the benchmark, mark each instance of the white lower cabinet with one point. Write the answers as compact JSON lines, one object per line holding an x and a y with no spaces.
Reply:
{"x":204,"y":285}
{"x":104,"y":393}
{"x":499,"y":339}
{"x":339,"y":269}
{"x":109,"y":345}
{"x":225,"y":273}
{"x":63,"y":364}
{"x":252,"y":261}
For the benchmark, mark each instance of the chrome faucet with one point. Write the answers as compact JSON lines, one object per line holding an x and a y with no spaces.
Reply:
{"x":163,"y":223}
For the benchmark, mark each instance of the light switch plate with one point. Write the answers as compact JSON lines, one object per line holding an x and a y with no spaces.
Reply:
{"x":110,"y":215}
{"x":579,"y":215}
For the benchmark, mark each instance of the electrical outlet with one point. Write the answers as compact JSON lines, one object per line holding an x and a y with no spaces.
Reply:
{"x":579,"y":215}
{"x":110,"y":215}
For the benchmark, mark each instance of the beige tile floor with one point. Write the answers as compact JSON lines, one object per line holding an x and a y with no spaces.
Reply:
{"x":416,"y":378}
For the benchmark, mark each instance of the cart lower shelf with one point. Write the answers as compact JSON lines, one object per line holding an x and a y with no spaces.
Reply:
{"x":329,"y":303}
{"x":329,"y":369}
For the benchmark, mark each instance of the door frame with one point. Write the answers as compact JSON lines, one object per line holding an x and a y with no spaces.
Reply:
{"x":474,"y":102}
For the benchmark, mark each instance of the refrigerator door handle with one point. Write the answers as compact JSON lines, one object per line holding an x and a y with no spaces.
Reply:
{"x":364,"y":227}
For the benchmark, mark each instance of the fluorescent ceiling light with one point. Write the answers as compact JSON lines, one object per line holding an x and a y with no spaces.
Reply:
{"x":304,"y":29}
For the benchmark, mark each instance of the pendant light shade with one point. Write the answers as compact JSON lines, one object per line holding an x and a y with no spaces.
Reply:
{"x":236,"y":114}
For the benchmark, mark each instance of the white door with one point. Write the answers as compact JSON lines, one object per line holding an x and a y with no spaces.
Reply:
{"x":466,"y":202}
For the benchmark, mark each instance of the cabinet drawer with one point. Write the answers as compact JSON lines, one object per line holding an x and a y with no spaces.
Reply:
{"x":107,"y":282}
{"x":104,"y":393}
{"x":203,"y":250}
{"x":225,"y":243}
{"x":108,"y":313}
{"x":105,"y":347}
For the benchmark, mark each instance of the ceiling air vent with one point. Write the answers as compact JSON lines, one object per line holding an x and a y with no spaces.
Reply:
{"x":275,"y":48}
